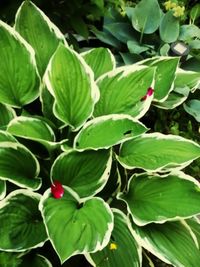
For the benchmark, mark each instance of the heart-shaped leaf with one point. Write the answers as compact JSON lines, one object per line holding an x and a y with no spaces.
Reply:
{"x":74,"y":227}
{"x":18,"y":69}
{"x":151,"y":198}
{"x":106,"y":131}
{"x":172,"y":242}
{"x":36,"y":28}
{"x":154,"y":152}
{"x":122,"y":250}
{"x":100,"y":59}
{"x":21,"y":224}
{"x":71,"y":82}
{"x":85,"y":172}
{"x":122,"y":89}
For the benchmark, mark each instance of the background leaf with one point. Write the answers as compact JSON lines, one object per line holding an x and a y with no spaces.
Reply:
{"x":18,"y":69}
{"x":146,"y":16}
{"x":71,"y":83}
{"x":74,"y":227}
{"x":193,"y":108}
{"x":151,"y":198}
{"x":156,"y":151}
{"x":23,"y":229}
{"x":169,"y":28}
{"x":106,"y":131}
{"x":36,"y":28}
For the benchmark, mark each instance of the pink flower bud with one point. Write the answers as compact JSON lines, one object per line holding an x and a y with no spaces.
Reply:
{"x":57,"y":189}
{"x":150,"y":91}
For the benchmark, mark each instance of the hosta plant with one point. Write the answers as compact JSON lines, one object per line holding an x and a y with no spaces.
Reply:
{"x":81,"y":177}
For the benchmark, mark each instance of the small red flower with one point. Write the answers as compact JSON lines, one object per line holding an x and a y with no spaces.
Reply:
{"x":57,"y":189}
{"x":150,"y":91}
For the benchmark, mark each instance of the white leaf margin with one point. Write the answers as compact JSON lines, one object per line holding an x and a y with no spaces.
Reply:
{"x":162,"y":220}
{"x":112,"y":58}
{"x":148,"y":245}
{"x":167,"y":167}
{"x":100,"y":119}
{"x":129,"y":226}
{"x":6,"y":202}
{"x":102,"y":180}
{"x":16,"y":145}
{"x":95,"y":94}
{"x":110,"y":225}
{"x":28,"y":48}
{"x":51,"y":25}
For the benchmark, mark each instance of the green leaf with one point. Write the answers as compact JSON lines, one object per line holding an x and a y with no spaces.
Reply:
{"x":169,"y":28}
{"x":136,"y":47}
{"x":165,"y":74}
{"x":79,"y":26}
{"x":146,"y":16}
{"x":32,"y":129}
{"x":9,"y":259}
{"x":193,"y":108}
{"x":85,"y":172}
{"x":184,"y":78}
{"x":175,"y":98}
{"x":101,"y":60}
{"x":2,"y":189}
{"x":47,"y":102}
{"x":127,"y":253}
{"x":195,"y":12}
{"x":122,"y":31}
{"x":36,"y":28}
{"x":195,"y":44}
{"x":106,"y":37}
{"x":7,"y":114}
{"x":194,"y":225}
{"x":122,"y":90}
{"x":84,"y":227}
{"x":172,"y":242}
{"x":156,"y":151}
{"x":151,"y":198}
{"x":106,"y":131}
{"x":188,"y":32}
{"x":35,"y":260}
{"x":18,"y":69}
{"x":17,"y":164}
{"x":69,"y":79}
{"x":21,"y":225}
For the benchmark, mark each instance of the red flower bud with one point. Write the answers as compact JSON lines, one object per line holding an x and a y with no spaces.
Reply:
{"x":57,"y":189}
{"x":150,"y":91}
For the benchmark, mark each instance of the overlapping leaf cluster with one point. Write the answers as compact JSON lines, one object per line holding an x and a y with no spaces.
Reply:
{"x":87,"y":135}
